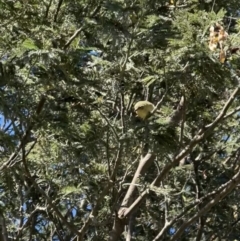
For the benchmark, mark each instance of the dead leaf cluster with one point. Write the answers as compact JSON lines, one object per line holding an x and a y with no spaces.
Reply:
{"x":218,"y":36}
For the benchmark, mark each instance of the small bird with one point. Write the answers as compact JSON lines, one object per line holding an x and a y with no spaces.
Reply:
{"x":143,"y":109}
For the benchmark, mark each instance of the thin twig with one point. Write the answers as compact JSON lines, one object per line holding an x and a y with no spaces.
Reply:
{"x":232,"y":112}
{"x":158,"y":105}
{"x":109,"y":124}
{"x":25,"y":137}
{"x":229,"y":187}
{"x":73,"y":37}
{"x":58,"y":9}
{"x":95,"y":11}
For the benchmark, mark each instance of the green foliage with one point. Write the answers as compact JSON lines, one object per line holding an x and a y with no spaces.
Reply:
{"x":68,"y":163}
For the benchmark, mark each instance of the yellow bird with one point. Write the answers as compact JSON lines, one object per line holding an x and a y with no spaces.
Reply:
{"x":143,"y":109}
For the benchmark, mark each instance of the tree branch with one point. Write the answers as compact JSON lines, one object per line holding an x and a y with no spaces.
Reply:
{"x":231,"y":185}
{"x":202,"y":133}
{"x":12,"y":158}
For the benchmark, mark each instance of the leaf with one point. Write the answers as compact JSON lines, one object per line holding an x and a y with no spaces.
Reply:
{"x":69,"y":189}
{"x":149,"y":80}
{"x":29,"y":44}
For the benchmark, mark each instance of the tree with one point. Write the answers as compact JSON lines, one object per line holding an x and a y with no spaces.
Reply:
{"x":77,"y":163}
